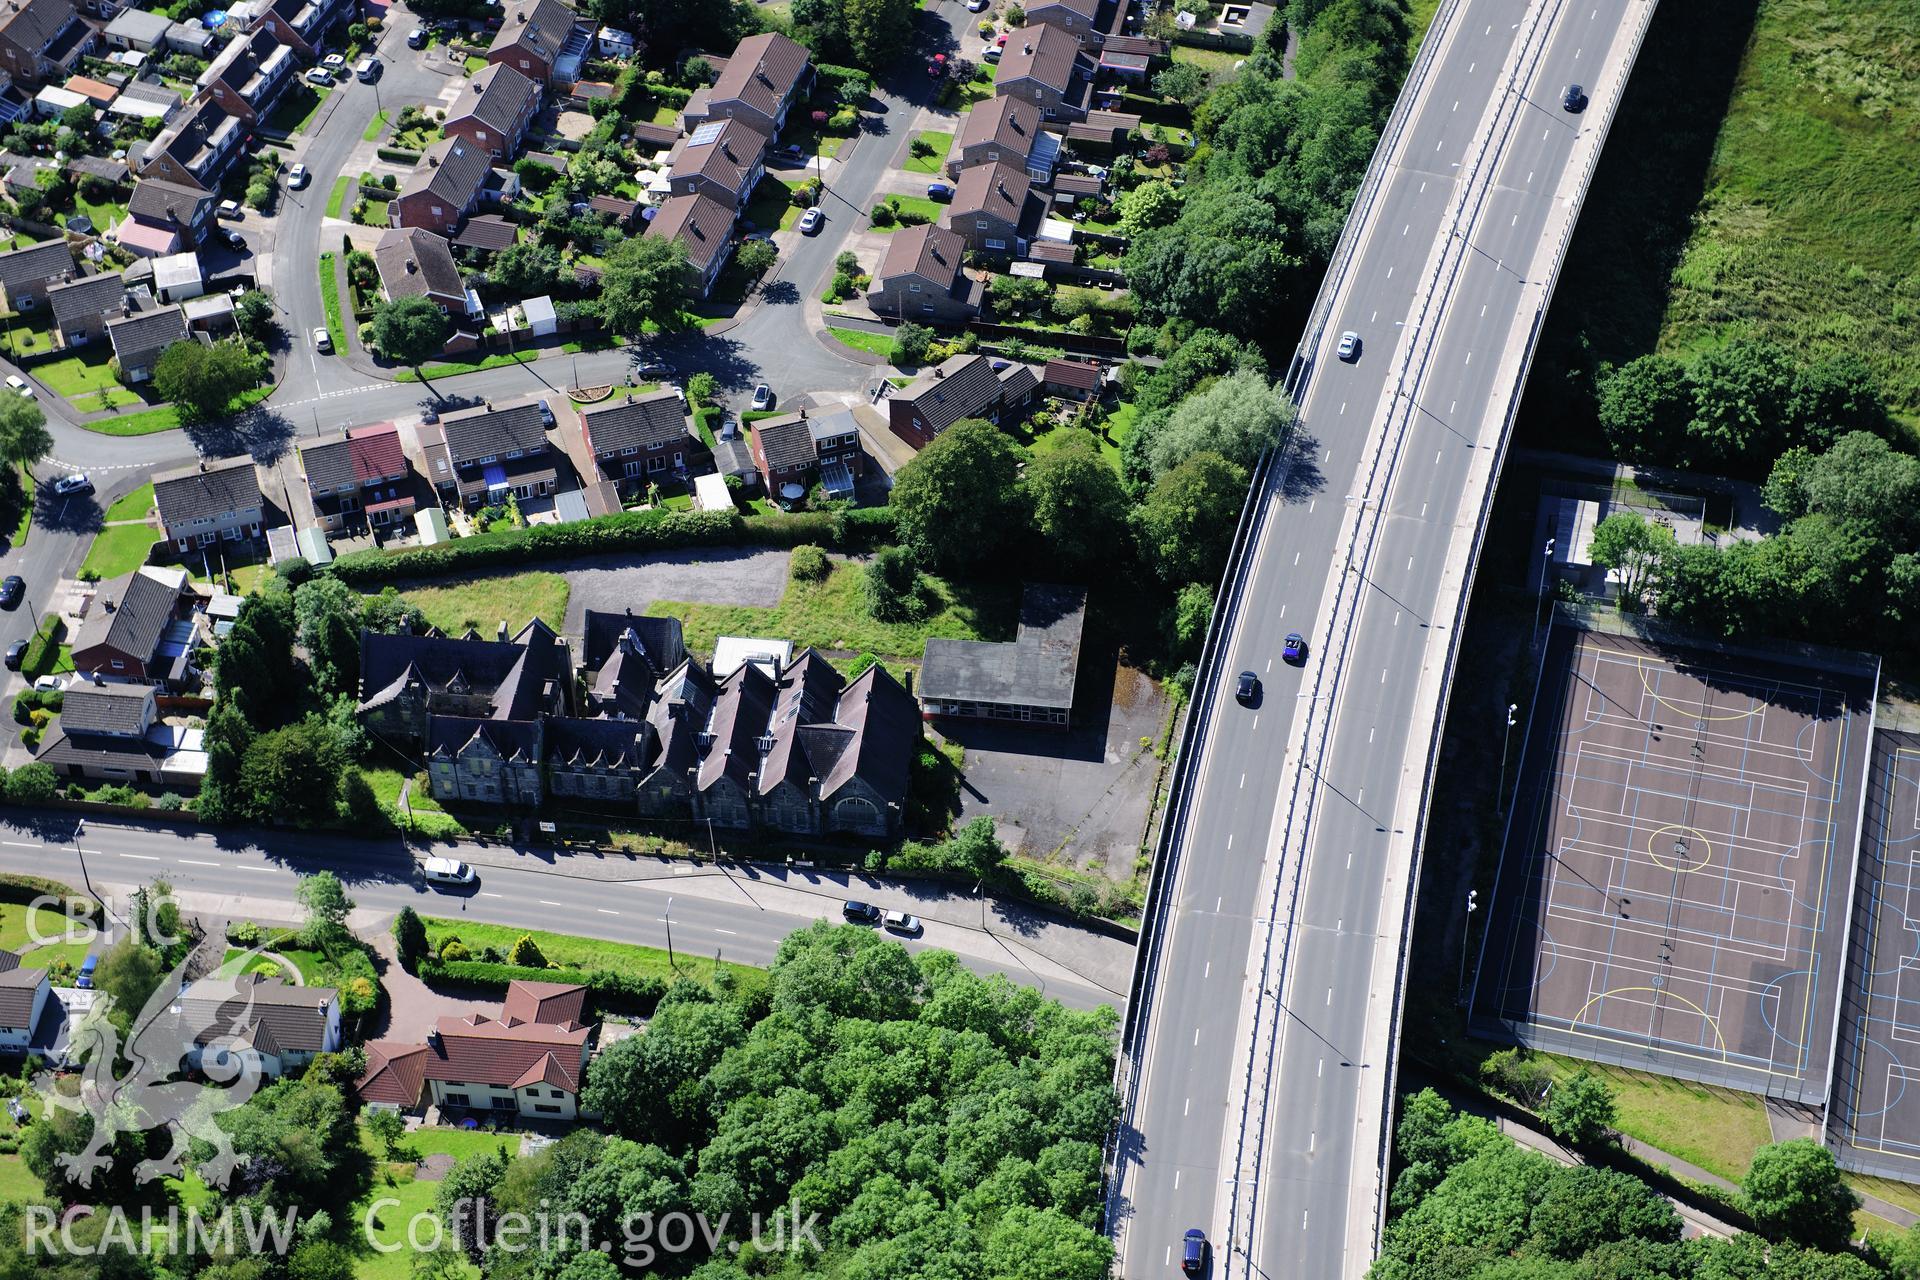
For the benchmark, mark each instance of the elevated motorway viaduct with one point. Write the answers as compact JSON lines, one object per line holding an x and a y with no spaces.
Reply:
{"x":1257,"y":1073}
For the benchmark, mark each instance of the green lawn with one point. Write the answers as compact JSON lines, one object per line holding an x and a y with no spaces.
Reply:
{"x":474,"y":63}
{"x":1717,"y":1129}
{"x":586,"y":953}
{"x":483,"y":602}
{"x":120,"y":548}
{"x":104,"y":213}
{"x":830,"y":615}
{"x":860,"y":340}
{"x":454,"y":368}
{"x":261,"y":964}
{"x":1219,"y":63}
{"x":931,"y":163}
{"x":45,"y":957}
{"x":379,"y":123}
{"x":338,"y":196}
{"x":26,"y":340}
{"x":772,"y":205}
{"x":297,"y":107}
{"x":134,"y":506}
{"x":17,"y":1183}
{"x":330,"y":299}
{"x":166,"y":417}
{"x":14,"y":933}
{"x":87,"y":381}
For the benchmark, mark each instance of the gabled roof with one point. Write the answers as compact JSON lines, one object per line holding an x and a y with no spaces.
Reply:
{"x":541,"y":26}
{"x":360,"y":455}
{"x":244,"y":59}
{"x":513,"y":1051}
{"x":414,"y":261}
{"x":139,"y":339}
{"x":130,"y":613}
{"x":1039,"y":52}
{"x":167,"y":204}
{"x":762,"y":73}
{"x":497,"y":96}
{"x":700,"y":222}
{"x":723,"y":151}
{"x":638,"y":422}
{"x":604,"y":744}
{"x":1085,"y":8}
{"x":930,"y":252}
{"x":211,"y":489}
{"x":487,"y":231}
{"x":1009,"y":123}
{"x":990,"y":190}
{"x":808,"y":690}
{"x":511,"y":740}
{"x":452,"y":169}
{"x":785,"y":442}
{"x":388,"y":663}
{"x":18,"y":986}
{"x":199,"y":126}
{"x":34,"y":24}
{"x":273,"y":1016}
{"x":46,"y":262}
{"x":874,"y":728}
{"x":116,"y":710}
{"x":495,"y":430}
{"x":734,"y":725}
{"x":1078,"y":374}
{"x":396,"y":1073}
{"x":87,"y":298}
{"x":962,"y":386}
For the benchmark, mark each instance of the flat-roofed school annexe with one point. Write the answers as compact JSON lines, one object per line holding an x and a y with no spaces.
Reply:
{"x":1678,"y":870}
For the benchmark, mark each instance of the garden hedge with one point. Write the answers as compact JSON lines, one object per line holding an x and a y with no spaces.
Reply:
{"x":24,"y":889}
{"x":610,"y":987}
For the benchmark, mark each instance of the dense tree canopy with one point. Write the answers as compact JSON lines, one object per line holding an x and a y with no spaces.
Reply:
{"x":646,"y":281}
{"x":203,"y":378}
{"x":959,"y":499}
{"x":410,"y":330}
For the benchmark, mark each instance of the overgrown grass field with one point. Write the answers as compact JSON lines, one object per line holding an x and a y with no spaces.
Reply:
{"x":483,"y":602}
{"x":570,"y":951}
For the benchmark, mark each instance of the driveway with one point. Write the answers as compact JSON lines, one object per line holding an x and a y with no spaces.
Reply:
{"x":717,"y":575}
{"x":412,"y":1006}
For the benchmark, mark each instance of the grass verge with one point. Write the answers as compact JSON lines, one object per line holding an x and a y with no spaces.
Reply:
{"x":134,"y":506}
{"x":454,"y":368}
{"x":338,"y":196}
{"x":860,"y":340}
{"x":931,"y":162}
{"x":377,"y":126}
{"x":25,"y":526}
{"x":330,"y":299}
{"x":569,"y":951}
{"x":119,"y":548}
{"x":167,"y":417}
{"x":481,"y":603}
{"x":74,"y":378}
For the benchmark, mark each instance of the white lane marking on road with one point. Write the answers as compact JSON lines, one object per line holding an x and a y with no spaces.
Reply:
{"x":1544,"y":136}
{"x":1370,"y":733}
{"x":1326,"y":455}
{"x":1383,"y":675}
{"x":1169,"y":1257}
{"x":485,"y":894}
{"x":1436,"y":457}
{"x":1256,"y":725}
{"x":1310,"y":505}
{"x":1187,"y":1109}
{"x":1472,"y":65}
{"x":1529,"y":175}
{"x":1176,"y":1179}
{"x":1436,"y":146}
{"x":1310,"y":1141}
{"x":20,"y":844}
{"x":1483,"y":308}
{"x":259,"y":871}
{"x":1451,"y":406}
{"x":195,"y":862}
{"x":1329,"y":996}
{"x":1515,"y":222}
{"x":1321,"y":1068}
{"x":1216,"y":905}
{"x":1406,"y":228}
{"x":1577,"y":53}
{"x":603,"y":911}
{"x":1303,"y":1219}
{"x":1423,"y":510}
{"x":1340,"y":925}
{"x":1283,"y":615}
{"x":1469,"y":359}
{"x":140,"y":857}
{"x":1229,"y":845}
{"x":1396,"y":617}
{"x":1456,"y":104}
{"x":1296,"y":557}
{"x":1196,"y":1035}
{"x":1349,"y":859}
{"x":1373,"y":317}
{"x":548,"y":902}
{"x":1389,"y":273}
{"x":1423,"y":187}
{"x":1409,"y":562}
{"x":1343,"y":406}
{"x":1243,"y":782}
{"x":1269,"y":664}
{"x":730,"y":933}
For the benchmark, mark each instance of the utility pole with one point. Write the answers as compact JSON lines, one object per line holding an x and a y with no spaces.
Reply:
{"x":1546,"y":568}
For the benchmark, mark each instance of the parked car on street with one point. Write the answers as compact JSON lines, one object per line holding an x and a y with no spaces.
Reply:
{"x":811,"y":221}
{"x":906,"y":923}
{"x":416,"y":39}
{"x":334,"y":62}
{"x":77,"y":483}
{"x":20,"y":385}
{"x":320,"y":76}
{"x":447,"y":871}
{"x":762,"y":397}
{"x":16,"y":654}
{"x":297,"y":177}
{"x":860,"y":912}
{"x":322,"y":341}
{"x":230,"y":209}
{"x":12,"y":591}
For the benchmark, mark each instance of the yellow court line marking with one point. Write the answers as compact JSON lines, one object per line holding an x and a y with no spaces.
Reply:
{"x":1640,"y":664}
{"x":1679,"y":826}
{"x":1656,"y":992}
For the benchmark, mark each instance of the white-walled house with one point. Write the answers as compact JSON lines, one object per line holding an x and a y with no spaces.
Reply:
{"x":280,"y":1027}
{"x":23,"y":995}
{"x":530,"y":1061}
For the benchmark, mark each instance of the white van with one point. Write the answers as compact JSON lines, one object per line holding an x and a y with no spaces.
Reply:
{"x":447,"y":871}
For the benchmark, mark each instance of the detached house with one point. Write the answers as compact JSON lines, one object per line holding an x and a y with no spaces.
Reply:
{"x":704,"y":226}
{"x":415,"y":262}
{"x":279,"y":1028}
{"x":359,"y":477}
{"x":991,"y":210}
{"x":138,"y":340}
{"x":136,"y":627}
{"x":82,"y":308}
{"x":1074,"y":17}
{"x":494,"y":110}
{"x":1043,"y":65}
{"x":42,"y":40}
{"x":196,"y":148}
{"x":920,"y":278}
{"x":111,"y":732}
{"x":27,"y":274}
{"x":765,"y":76}
{"x":501,"y":450}
{"x":530,"y":1061}
{"x":966,"y":386}
{"x":203,"y":505}
{"x":544,"y":40}
{"x":1004,"y":131}
{"x":304,"y":24}
{"x":642,"y":438}
{"x":23,"y":996}
{"x":722,"y":160}
{"x":250,"y":75}
{"x":443,"y":188}
{"x":165,"y":217}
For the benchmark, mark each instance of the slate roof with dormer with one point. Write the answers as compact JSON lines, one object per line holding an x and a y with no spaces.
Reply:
{"x":598,"y":744}
{"x":639,"y":422}
{"x":212,"y":489}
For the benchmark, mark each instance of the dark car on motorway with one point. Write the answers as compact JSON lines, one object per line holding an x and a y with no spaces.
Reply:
{"x":1248,"y":690}
{"x":16,"y":654}
{"x":1574,"y":98}
{"x":1193,"y":1252}
{"x":861,"y":912}
{"x":12,"y":591}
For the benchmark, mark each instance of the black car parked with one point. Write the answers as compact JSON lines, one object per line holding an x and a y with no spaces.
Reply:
{"x":12,"y":591}
{"x":861,"y":912}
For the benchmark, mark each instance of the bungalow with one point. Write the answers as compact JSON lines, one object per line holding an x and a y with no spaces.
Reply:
{"x":138,"y":340}
{"x":991,"y":210}
{"x":494,"y":110}
{"x":196,"y":148}
{"x":249,"y":76}
{"x":705,"y":226}
{"x":23,"y":996}
{"x":501,"y":450}
{"x":722,"y":160}
{"x":444,"y":188}
{"x":766,"y":75}
{"x":414,"y":262}
{"x":359,"y":476}
{"x":82,"y":308}
{"x":27,"y":274}
{"x":965,"y":386}
{"x":920,"y":278}
{"x":1004,"y":131}
{"x":42,"y":40}
{"x":111,"y":732}
{"x":641,"y":438}
{"x":275,"y":1027}
{"x":125,"y":633}
{"x":1043,"y":65}
{"x":205,"y":504}
{"x":544,"y":40}
{"x":304,"y":24}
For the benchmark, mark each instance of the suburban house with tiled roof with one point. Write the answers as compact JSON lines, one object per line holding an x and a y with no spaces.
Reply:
{"x":1043,"y":65}
{"x":304,"y":24}
{"x":641,"y":438}
{"x":250,"y":75}
{"x":124,"y":633}
{"x":82,"y":308}
{"x":1075,"y":17}
{"x":992,"y":209}
{"x":26,"y":274}
{"x":139,"y":339}
{"x":704,"y":226}
{"x":42,"y":40}
{"x":494,"y":110}
{"x":722,"y":160}
{"x":965,"y":386}
{"x":23,"y":997}
{"x":416,"y":262}
{"x":1004,"y":131}
{"x":836,"y":447}
{"x":443,"y":188}
{"x":111,"y":732}
{"x":359,"y":477}
{"x":171,"y":217}
{"x":920,"y":278}
{"x":544,"y":40}
{"x":531,"y":1060}
{"x":783,"y":451}
{"x":766,"y":75}
{"x":396,"y":1076}
{"x":196,"y":148}
{"x":202,"y":505}
{"x":497,"y":450}
{"x":1072,"y":379}
{"x":265,"y":1021}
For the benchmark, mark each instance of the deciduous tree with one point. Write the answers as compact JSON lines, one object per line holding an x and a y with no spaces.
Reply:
{"x":1186,"y":523}
{"x":959,"y":499}
{"x":1079,"y":509}
{"x":647,"y":280}
{"x":410,"y":330}
{"x":1795,"y":1191}
{"x":202,"y":379}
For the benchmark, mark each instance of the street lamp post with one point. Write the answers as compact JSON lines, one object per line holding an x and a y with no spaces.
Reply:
{"x":671,"y":962}
{"x":1539,"y":599}
{"x":1500,"y":784}
{"x":1466,"y":939}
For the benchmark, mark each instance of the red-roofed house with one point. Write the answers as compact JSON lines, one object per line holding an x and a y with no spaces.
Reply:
{"x":359,"y":476}
{"x":530,"y":1060}
{"x":396,"y":1075}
